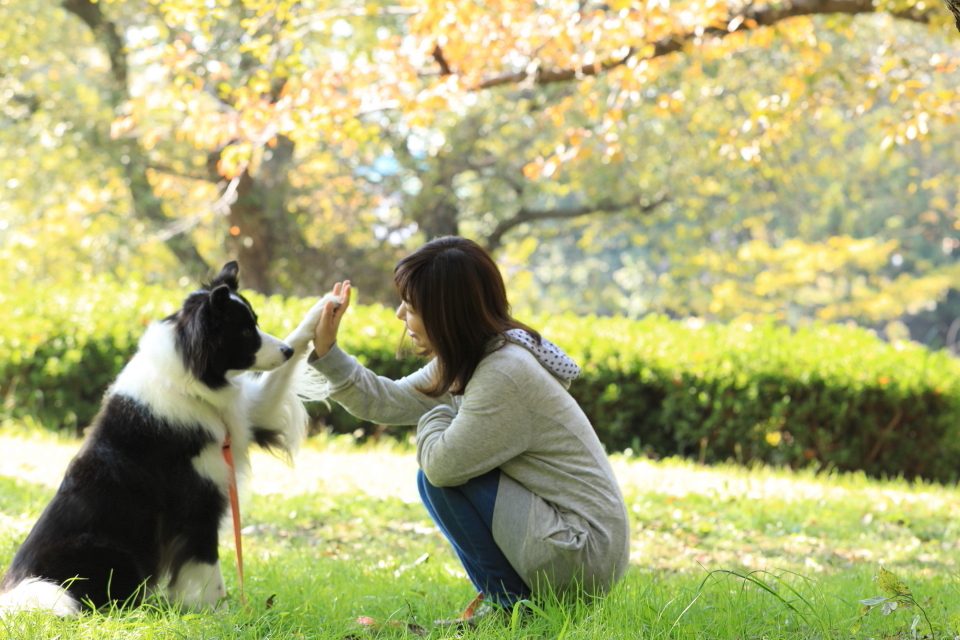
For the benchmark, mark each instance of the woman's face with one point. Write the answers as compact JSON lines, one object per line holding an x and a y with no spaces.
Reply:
{"x":414,"y":324}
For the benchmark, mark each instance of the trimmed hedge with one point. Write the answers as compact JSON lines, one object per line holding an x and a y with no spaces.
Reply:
{"x":828,"y":395}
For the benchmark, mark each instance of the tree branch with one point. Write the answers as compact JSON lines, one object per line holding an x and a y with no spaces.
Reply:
{"x":524,"y":215}
{"x":954,"y":6}
{"x":29,"y":105}
{"x":758,"y":15}
{"x":444,"y":65}
{"x":146,"y":204}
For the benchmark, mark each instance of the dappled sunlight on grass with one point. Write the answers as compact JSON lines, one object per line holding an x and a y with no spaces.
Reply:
{"x":692,"y":518}
{"x":717,"y":552}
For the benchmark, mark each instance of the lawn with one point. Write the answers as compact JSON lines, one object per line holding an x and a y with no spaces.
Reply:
{"x":720,"y":552}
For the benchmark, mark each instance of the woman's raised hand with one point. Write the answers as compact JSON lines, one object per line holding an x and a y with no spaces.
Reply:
{"x":325,"y":333}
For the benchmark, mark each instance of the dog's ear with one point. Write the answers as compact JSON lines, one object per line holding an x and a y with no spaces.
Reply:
{"x":192,"y":321}
{"x":228,"y":276}
{"x":220,"y":296}
{"x":201,"y":314}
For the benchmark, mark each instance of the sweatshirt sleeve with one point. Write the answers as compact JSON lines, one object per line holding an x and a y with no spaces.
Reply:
{"x":376,"y":398}
{"x":491,"y":427}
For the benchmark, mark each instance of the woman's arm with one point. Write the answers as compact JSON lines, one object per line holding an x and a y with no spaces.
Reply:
{"x":376,"y":398}
{"x":360,"y":391}
{"x":492,"y":426}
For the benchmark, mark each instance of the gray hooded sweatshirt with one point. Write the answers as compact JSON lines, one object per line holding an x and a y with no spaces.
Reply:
{"x":559,"y":515}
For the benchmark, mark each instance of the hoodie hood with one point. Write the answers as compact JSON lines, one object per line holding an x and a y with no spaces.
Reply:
{"x":550,"y":355}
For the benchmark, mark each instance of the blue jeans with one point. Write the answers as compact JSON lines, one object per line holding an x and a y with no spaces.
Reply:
{"x":464,"y":515}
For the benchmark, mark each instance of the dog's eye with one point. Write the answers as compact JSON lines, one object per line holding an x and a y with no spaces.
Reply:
{"x":248,"y":333}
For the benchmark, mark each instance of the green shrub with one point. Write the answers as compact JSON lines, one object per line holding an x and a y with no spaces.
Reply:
{"x":827,"y":395}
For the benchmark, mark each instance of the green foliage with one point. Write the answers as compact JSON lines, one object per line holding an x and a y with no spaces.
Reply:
{"x":359,"y":148}
{"x":60,"y":349}
{"x":804,"y":230}
{"x":896,"y":595}
{"x":826,"y":395}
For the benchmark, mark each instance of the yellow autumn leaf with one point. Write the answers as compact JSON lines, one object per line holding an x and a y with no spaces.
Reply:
{"x":531,"y":170}
{"x":891,"y":584}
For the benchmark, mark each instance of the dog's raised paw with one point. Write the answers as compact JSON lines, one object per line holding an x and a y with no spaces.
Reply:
{"x":303,"y":334}
{"x":313,"y":315}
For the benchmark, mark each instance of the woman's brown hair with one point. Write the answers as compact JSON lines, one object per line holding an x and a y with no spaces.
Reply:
{"x":456,"y":288}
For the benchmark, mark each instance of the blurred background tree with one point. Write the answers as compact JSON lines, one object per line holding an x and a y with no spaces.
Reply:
{"x":725,"y":160}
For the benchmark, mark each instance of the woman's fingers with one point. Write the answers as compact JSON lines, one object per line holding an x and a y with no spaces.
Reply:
{"x":325,"y":333}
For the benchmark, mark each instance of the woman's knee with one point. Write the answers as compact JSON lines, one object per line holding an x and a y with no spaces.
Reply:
{"x":431,"y":495}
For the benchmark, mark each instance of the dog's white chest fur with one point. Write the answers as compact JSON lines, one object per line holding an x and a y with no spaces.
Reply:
{"x":157,"y":378}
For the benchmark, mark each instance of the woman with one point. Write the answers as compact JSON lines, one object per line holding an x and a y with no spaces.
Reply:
{"x":511,"y":470}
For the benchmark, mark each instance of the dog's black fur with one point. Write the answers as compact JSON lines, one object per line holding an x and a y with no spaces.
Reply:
{"x":130,"y":509}
{"x":140,"y":506}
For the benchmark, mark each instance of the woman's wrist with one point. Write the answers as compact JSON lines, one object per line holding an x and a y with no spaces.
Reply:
{"x":320,"y":352}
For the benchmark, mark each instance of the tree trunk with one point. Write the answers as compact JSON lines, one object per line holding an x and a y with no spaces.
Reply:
{"x":274,"y":257}
{"x":440,"y":220}
{"x":145,"y":203}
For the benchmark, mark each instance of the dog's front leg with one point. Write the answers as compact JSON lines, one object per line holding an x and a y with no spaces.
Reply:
{"x":198,"y":584}
{"x":300,"y":337}
{"x":274,"y":387}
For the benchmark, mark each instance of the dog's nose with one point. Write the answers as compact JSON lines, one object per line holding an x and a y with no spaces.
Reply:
{"x":287,"y":352}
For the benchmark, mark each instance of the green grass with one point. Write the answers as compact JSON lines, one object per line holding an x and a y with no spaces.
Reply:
{"x":717,"y":553}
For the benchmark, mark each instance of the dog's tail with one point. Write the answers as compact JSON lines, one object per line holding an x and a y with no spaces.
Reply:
{"x":37,"y":594}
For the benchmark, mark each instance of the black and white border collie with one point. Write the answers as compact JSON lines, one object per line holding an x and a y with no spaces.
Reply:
{"x":141,"y":505}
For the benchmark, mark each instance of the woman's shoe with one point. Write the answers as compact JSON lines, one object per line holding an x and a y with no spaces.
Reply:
{"x":468,"y":617}
{"x":477,"y":610}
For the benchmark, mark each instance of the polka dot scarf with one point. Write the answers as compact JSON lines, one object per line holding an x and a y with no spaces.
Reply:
{"x":550,"y":355}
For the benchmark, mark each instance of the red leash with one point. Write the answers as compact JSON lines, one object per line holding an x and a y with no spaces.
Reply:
{"x":235,"y":511}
